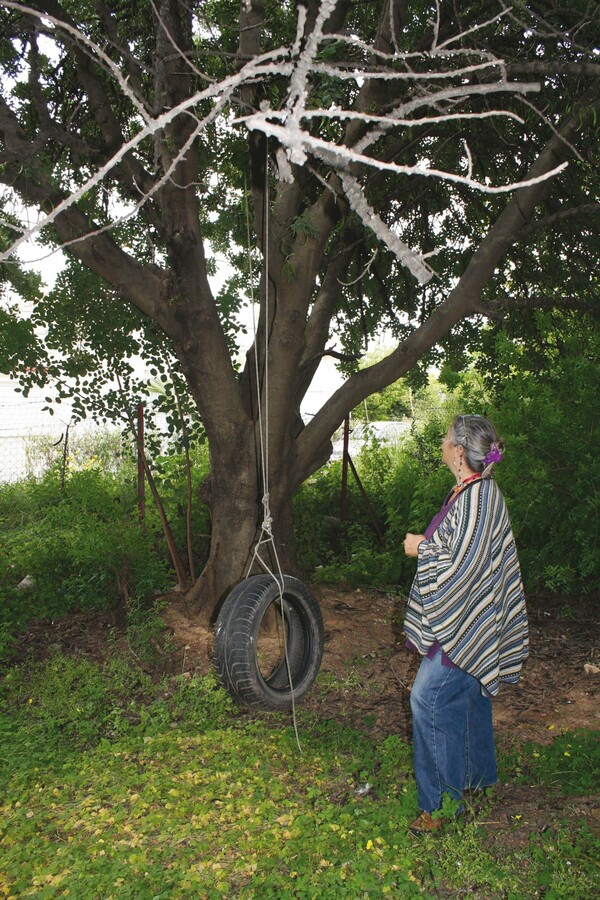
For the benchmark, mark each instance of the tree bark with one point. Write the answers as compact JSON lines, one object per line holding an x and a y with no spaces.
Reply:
{"x":251,"y":528}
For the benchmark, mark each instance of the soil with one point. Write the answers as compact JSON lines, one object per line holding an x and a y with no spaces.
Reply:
{"x":366,"y":674}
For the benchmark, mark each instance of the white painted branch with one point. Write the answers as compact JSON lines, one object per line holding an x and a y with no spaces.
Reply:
{"x":464,"y":52}
{"x":478,"y":27}
{"x":436,"y":27}
{"x":409,"y":258}
{"x":290,"y":125}
{"x":220,"y":91}
{"x":444,"y":95}
{"x":350,"y":115}
{"x":299,"y":80}
{"x":300,"y":143}
{"x":351,"y":73}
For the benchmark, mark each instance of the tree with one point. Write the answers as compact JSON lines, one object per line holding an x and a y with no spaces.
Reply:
{"x":362,"y":137}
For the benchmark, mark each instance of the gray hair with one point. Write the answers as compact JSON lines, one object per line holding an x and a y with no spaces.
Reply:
{"x":475,"y":434}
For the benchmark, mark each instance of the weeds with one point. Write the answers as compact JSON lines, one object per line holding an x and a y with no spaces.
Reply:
{"x":115,"y":786}
{"x":79,"y":546}
{"x":569,"y":765}
{"x":351,"y":682}
{"x":75,"y":701}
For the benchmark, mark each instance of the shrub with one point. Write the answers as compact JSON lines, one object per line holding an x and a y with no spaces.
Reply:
{"x":103,"y":449}
{"x":317,"y":524}
{"x":81,"y":547}
{"x":544,"y":406}
{"x":547,"y":413}
{"x":74,"y":700}
{"x":170,"y":476}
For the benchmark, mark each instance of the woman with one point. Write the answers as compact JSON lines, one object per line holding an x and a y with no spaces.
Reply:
{"x":466,"y":616}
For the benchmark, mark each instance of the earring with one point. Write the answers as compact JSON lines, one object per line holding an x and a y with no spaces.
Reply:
{"x":459,"y":476}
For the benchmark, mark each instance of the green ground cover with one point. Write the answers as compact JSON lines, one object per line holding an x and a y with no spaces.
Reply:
{"x":114,"y":787}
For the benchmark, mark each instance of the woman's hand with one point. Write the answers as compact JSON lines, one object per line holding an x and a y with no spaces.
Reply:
{"x":411,"y":544}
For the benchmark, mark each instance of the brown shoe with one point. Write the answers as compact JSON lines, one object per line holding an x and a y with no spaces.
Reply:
{"x":425,"y":824}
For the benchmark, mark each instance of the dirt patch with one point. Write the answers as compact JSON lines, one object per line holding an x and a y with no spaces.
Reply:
{"x":93,"y":635}
{"x":367,"y":672}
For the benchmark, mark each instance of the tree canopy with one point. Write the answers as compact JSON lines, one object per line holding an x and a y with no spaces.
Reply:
{"x":361,"y":165}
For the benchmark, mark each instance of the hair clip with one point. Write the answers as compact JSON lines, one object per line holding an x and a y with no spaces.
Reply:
{"x":494,"y":456}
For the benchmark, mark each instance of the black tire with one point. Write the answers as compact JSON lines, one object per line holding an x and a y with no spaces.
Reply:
{"x":238,"y":632}
{"x":278,"y":677}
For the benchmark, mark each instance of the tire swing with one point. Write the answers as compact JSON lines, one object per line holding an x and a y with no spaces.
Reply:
{"x":268,"y":637}
{"x":268,"y":664}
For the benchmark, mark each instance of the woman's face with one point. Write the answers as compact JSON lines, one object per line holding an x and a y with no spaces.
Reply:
{"x":448,"y":451}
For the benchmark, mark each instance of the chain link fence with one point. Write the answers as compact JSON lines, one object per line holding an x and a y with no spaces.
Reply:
{"x":32,"y":441}
{"x":32,"y":453}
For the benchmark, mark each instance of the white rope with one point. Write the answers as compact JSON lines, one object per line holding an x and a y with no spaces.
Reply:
{"x":266,"y":532}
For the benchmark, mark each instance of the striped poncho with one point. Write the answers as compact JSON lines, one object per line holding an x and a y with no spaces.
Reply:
{"x":468,"y":594}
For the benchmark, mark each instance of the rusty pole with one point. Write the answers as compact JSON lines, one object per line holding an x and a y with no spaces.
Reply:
{"x":345,"y":460}
{"x":141,"y":481}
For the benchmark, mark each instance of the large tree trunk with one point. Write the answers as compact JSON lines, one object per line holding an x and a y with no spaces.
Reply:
{"x":234,"y":540}
{"x":251,"y":529}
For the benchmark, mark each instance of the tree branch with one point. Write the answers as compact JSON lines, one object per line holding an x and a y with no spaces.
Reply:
{"x":564,"y":215}
{"x":581,"y":69}
{"x":499,"y":309}
{"x":143,"y":285}
{"x":461,"y":302}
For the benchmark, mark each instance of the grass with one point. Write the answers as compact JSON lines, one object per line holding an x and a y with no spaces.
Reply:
{"x":117,"y":788}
